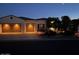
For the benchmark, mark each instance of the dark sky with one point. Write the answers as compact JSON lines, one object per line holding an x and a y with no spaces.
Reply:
{"x":40,"y":10}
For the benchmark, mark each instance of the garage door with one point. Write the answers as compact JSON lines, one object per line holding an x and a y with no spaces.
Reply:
{"x":29,"y":27}
{"x":6,"y":28}
{"x":16,"y":28}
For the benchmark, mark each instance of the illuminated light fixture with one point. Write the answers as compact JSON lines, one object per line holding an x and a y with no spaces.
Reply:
{"x":52,"y":21}
{"x":52,"y":29}
{"x":16,"y":27}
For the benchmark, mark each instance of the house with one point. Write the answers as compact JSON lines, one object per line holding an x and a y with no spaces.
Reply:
{"x":13,"y":24}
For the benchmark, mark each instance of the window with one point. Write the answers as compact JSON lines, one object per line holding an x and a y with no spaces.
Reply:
{"x":41,"y":27}
{"x":11,"y":17}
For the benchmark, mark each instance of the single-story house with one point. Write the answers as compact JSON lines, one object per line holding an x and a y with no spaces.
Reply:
{"x":14,"y":24}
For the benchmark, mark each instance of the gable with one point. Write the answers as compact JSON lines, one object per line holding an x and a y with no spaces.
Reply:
{"x":11,"y":19}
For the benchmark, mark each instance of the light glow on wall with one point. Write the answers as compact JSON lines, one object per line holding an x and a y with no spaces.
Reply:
{"x":6,"y":27}
{"x":16,"y":27}
{"x":30,"y":28}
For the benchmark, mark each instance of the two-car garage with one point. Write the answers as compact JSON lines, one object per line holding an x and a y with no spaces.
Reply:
{"x":11,"y":24}
{"x":11,"y":27}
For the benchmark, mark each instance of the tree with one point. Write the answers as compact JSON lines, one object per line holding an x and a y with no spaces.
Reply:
{"x":66,"y":21}
{"x":54,"y":23}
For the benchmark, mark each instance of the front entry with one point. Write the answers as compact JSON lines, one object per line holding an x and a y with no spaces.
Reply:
{"x":30,"y":27}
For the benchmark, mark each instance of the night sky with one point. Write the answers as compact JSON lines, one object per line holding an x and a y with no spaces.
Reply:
{"x":40,"y":10}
